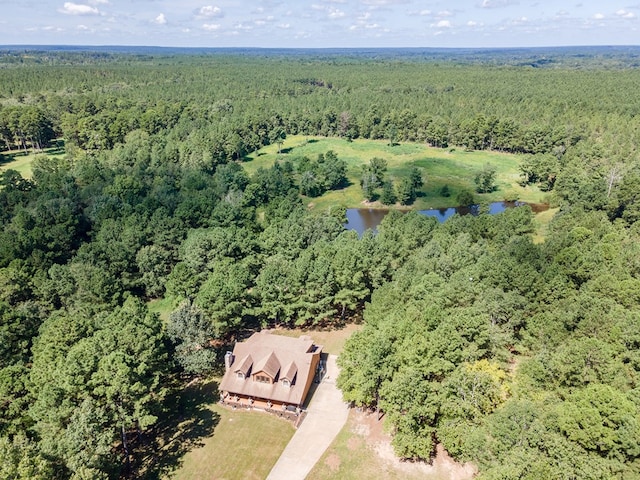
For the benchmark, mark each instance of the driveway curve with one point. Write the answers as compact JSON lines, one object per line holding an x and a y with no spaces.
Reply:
{"x":326,"y":416}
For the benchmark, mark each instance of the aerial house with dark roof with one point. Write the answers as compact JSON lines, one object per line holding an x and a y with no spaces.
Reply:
{"x":270,"y":371}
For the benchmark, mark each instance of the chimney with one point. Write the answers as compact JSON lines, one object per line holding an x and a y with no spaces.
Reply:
{"x":228,"y":360}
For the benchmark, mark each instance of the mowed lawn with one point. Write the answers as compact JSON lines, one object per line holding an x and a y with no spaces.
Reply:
{"x":244,"y":445}
{"x":453,"y":167}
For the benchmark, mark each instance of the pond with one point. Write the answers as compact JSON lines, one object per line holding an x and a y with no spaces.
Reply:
{"x":362,"y":219}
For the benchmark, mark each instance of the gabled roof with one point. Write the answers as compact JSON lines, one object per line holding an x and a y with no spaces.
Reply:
{"x":268,"y":364}
{"x":244,"y":365}
{"x":280,"y":358}
{"x":289,"y":372}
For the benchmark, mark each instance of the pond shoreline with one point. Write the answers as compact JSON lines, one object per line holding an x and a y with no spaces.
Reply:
{"x":362,"y":219}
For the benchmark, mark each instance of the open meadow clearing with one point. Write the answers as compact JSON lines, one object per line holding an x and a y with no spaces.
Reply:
{"x":21,"y":162}
{"x":452,"y":167}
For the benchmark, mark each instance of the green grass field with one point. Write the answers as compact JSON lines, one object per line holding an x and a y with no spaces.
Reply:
{"x":454,"y":167}
{"x":20,"y":161}
{"x":244,"y":446}
{"x":198,"y":439}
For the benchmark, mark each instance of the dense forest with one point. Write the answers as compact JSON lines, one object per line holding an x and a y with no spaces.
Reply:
{"x":520,"y":356}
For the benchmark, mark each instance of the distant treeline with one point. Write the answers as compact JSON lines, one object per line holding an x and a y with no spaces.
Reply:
{"x":215,"y":108}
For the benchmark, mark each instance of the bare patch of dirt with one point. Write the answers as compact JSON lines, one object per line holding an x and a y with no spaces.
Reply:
{"x":333,"y":462}
{"x":369,"y":204}
{"x":354,"y":443}
{"x":442,"y":467}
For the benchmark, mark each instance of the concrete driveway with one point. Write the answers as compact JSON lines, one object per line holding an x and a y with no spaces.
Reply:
{"x":326,"y":416}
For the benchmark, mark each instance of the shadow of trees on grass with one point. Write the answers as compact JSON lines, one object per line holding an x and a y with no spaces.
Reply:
{"x":185,"y":425}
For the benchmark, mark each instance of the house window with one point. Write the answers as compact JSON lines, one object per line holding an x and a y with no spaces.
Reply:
{"x":240,"y":375}
{"x":286,"y":383}
{"x":263,"y":379}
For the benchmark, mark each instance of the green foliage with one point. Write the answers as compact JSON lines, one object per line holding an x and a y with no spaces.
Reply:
{"x":94,"y":379}
{"x":372,"y":177}
{"x":192,"y":331}
{"x":20,"y":459}
{"x":440,"y":342}
{"x":223,"y":296}
{"x":328,"y":172}
{"x":388,"y":195}
{"x":406,"y":191}
{"x":485,"y":179}
{"x":465,"y":198}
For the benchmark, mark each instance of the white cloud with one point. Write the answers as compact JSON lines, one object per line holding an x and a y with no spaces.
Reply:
{"x":98,"y":2}
{"x":47,"y":28}
{"x":284,"y":25}
{"x":624,"y":14}
{"x":598,"y":16}
{"x":242,"y":26}
{"x":443,"y":24}
{"x":424,"y":13}
{"x":471,"y":23}
{"x":496,"y":3}
{"x":381,"y":3}
{"x":264,"y":20}
{"x":160,"y":19}
{"x":444,"y":13}
{"x":70,"y":8}
{"x":82,"y":27}
{"x":209,"y":11}
{"x":332,"y":12}
{"x":211,"y":27}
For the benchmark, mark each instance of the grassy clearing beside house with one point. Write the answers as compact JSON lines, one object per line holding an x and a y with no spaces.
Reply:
{"x":198,"y":439}
{"x":453,"y":167}
{"x":244,"y":445}
{"x":332,"y":341}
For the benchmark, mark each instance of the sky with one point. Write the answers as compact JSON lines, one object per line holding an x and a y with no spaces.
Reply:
{"x":320,"y":23}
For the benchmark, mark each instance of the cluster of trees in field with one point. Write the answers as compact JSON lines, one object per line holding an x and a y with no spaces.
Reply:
{"x":474,"y":336}
{"x":375,"y":185}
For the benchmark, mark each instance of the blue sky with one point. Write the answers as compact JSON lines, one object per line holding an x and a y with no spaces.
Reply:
{"x":321,"y":23}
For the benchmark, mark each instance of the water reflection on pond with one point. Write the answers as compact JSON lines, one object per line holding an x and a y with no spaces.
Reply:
{"x":362,"y":219}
